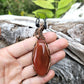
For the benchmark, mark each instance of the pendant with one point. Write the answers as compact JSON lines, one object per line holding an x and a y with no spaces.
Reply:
{"x":41,"y":55}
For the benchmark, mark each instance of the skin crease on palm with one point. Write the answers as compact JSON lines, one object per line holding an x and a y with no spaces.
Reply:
{"x":16,"y":60}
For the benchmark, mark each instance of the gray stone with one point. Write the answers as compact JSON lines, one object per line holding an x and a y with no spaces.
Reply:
{"x":77,"y":32}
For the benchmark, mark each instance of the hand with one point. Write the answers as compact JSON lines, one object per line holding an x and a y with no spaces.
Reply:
{"x":16,"y":60}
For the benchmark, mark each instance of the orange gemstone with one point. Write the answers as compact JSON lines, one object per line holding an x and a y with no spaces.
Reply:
{"x":41,"y":58}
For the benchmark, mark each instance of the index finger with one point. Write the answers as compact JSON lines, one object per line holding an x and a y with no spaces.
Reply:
{"x":23,"y":47}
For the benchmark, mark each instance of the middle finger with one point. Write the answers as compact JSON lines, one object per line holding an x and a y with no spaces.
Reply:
{"x":53,"y":47}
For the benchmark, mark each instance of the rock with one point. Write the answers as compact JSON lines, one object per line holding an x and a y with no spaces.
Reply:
{"x":2,"y":44}
{"x":68,"y":72}
{"x":13,"y":33}
{"x":77,"y":32}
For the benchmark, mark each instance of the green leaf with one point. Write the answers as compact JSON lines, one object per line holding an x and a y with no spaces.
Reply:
{"x":9,"y":13}
{"x":22,"y":13}
{"x":43,"y":12}
{"x":63,"y":3}
{"x":3,"y":0}
{"x":44,"y":4}
{"x":61,"y":11}
{"x":51,"y":1}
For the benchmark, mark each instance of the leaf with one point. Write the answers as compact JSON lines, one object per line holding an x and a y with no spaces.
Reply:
{"x":44,"y":4}
{"x":43,"y":12}
{"x":3,"y":0}
{"x":51,"y":1}
{"x":9,"y":13}
{"x":64,"y":3}
{"x":61,"y":11}
{"x":22,"y":13}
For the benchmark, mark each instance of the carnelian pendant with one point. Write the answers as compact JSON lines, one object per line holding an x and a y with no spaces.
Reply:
{"x":41,"y":57}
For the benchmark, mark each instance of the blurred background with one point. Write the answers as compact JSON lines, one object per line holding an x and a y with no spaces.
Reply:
{"x":52,"y":8}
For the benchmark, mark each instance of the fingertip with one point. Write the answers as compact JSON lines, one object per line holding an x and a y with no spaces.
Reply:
{"x":64,"y":42}
{"x":52,"y":73}
{"x":50,"y":36}
{"x":57,"y":56}
{"x":49,"y":76}
{"x":62,"y":54}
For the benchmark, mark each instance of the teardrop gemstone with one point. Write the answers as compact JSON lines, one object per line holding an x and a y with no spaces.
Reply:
{"x":41,"y":58}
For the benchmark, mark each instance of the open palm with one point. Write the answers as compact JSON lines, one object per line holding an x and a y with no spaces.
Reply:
{"x":16,"y":60}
